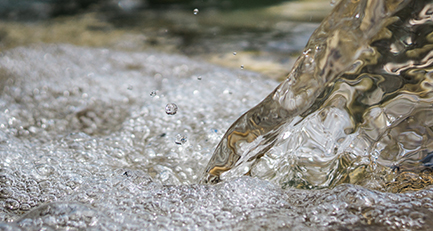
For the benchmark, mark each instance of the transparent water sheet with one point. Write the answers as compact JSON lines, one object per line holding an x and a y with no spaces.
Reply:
{"x":356,"y":108}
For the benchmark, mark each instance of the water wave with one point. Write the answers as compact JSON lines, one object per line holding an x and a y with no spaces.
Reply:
{"x":356,"y":108}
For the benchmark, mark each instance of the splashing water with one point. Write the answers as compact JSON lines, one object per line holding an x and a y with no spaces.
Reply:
{"x":356,"y":108}
{"x":79,"y":150}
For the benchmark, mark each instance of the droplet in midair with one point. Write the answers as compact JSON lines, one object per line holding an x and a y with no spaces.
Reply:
{"x":242,"y":66}
{"x":171,"y":109}
{"x":153,"y":93}
{"x":334,"y":2}
{"x":199,"y":77}
{"x":195,"y":11}
{"x":234,"y":53}
{"x":180,"y":139}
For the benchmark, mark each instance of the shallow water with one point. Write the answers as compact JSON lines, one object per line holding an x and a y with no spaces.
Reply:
{"x":86,"y":143}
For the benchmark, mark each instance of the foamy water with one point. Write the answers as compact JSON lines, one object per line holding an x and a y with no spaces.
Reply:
{"x":86,"y":143}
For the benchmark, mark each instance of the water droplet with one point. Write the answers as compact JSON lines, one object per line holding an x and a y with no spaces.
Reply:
{"x":334,"y":2}
{"x":171,"y":109}
{"x":234,"y":53}
{"x":242,"y":66}
{"x":199,"y":77}
{"x":153,"y":93}
{"x":180,"y":139}
{"x":195,"y":11}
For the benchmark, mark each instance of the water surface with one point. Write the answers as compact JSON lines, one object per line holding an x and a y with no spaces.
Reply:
{"x":86,"y":143}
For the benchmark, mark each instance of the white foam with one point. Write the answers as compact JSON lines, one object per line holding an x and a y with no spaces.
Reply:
{"x":83,"y":145}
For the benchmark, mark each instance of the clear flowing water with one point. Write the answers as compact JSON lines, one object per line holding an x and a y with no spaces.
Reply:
{"x":356,"y":108}
{"x":86,"y":142}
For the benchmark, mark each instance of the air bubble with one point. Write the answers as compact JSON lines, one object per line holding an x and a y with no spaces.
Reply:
{"x":195,"y":11}
{"x":234,"y":53}
{"x":242,"y":66}
{"x":199,"y":77}
{"x":171,"y":109}
{"x":12,"y":204}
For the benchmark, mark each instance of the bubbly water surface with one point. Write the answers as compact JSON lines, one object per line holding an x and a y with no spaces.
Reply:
{"x":86,"y":143}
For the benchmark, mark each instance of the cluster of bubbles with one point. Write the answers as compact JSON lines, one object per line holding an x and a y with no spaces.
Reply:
{"x":85,"y":164}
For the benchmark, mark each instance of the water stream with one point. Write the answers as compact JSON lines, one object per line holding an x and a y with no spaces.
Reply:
{"x":356,"y":108}
{"x":344,"y":143}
